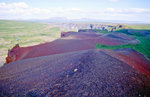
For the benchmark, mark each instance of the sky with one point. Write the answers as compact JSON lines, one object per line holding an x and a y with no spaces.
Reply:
{"x":127,"y":10}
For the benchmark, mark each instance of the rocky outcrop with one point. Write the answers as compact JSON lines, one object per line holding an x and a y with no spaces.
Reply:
{"x":12,"y":54}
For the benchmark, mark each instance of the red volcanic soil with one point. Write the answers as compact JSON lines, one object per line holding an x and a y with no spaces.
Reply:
{"x":83,"y":41}
{"x":133,"y":58}
{"x":86,"y":73}
{"x":71,"y":67}
{"x":78,"y":41}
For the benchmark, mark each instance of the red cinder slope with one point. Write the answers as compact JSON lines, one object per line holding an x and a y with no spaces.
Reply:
{"x":133,"y":58}
{"x":87,"y":73}
{"x":74,"y":42}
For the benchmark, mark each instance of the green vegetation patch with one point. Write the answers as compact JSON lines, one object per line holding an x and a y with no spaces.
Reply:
{"x":102,"y":31}
{"x":143,"y":46}
{"x":113,"y":47}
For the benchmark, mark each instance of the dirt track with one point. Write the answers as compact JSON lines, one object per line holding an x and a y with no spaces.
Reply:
{"x":91,"y":73}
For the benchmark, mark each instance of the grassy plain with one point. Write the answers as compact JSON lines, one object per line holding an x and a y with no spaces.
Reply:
{"x":24,"y":34}
{"x":139,"y":26}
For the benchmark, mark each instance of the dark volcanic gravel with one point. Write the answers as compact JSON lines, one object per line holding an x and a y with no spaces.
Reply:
{"x":88,"y":73}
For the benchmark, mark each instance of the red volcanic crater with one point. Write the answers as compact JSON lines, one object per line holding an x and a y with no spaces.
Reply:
{"x":72,"y":67}
{"x":76,"y":41}
{"x":70,"y":41}
{"x":133,"y":58}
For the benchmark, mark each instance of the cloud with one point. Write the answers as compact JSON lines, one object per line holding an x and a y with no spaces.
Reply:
{"x":14,"y":5}
{"x":128,"y":10}
{"x":113,"y":0}
{"x":22,"y":10}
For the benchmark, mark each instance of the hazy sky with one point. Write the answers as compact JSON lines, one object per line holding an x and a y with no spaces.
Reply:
{"x":131,"y":10}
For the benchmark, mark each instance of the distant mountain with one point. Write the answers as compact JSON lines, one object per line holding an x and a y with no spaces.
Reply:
{"x":66,"y":20}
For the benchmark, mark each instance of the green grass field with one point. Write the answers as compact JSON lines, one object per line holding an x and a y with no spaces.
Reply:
{"x":143,"y":46}
{"x":24,"y":34}
{"x":139,"y":26}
